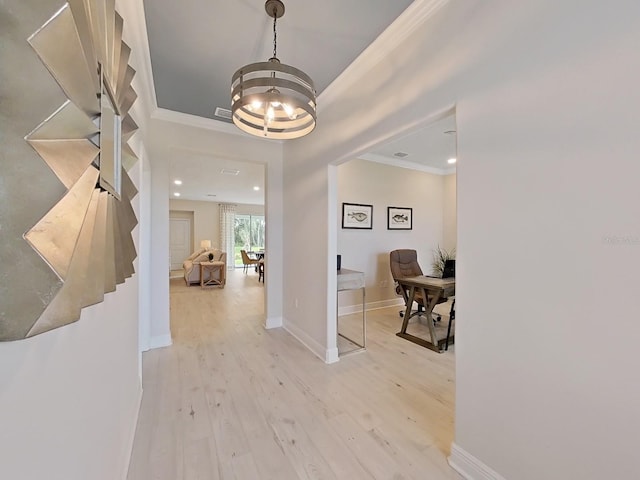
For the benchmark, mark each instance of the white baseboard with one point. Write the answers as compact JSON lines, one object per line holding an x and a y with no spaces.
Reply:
{"x":470,"y":467}
{"x":357,"y":308}
{"x":131,"y":435}
{"x":160,"y":341}
{"x":318,"y":350}
{"x":331,"y":355}
{"x":273,"y":322}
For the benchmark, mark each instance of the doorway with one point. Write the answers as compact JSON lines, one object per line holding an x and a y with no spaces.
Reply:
{"x":413,"y":173}
{"x":249,"y":235}
{"x":180,"y":240}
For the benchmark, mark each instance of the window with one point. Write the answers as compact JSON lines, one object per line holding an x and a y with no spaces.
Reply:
{"x":248,"y":235}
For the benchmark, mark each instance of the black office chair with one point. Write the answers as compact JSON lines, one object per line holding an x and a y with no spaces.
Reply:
{"x":452,"y":317}
{"x":449,"y":271}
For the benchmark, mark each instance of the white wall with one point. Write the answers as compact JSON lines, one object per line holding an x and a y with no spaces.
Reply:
{"x":69,"y":397}
{"x":246,"y":209}
{"x":450,"y":217}
{"x":551,"y":176}
{"x":274,"y":245}
{"x":144,"y":249}
{"x":548,"y":233}
{"x":382,"y":186}
{"x":206,"y":218}
{"x":305,"y":238}
{"x":160,"y":330}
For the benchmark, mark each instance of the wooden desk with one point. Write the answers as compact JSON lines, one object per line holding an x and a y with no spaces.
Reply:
{"x":352,"y":280}
{"x":433,"y":289}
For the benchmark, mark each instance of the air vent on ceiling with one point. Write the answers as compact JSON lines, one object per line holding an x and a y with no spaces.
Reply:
{"x":211,"y":194}
{"x":229,"y":171}
{"x":400,"y":154}
{"x":450,"y":132}
{"x":223,"y":113}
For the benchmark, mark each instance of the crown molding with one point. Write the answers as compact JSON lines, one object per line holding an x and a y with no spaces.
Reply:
{"x":408,"y":22}
{"x":195,"y":121}
{"x":396,"y":162}
{"x":205,"y":123}
{"x":135,"y":34}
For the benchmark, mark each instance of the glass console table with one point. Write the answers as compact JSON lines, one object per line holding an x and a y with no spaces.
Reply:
{"x":352,"y":280}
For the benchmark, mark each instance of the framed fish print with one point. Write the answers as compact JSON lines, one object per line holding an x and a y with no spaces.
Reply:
{"x":355,"y":215}
{"x":399,"y":218}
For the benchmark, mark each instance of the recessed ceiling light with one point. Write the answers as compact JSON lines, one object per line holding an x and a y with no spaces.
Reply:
{"x":211,"y":194}
{"x":229,"y":171}
{"x":176,"y":194}
{"x":451,"y":161}
{"x":178,"y":182}
{"x":256,"y":188}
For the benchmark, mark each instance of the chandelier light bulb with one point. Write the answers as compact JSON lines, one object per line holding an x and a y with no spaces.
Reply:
{"x":289,"y":110}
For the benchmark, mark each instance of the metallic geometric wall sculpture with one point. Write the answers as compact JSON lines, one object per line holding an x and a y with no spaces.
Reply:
{"x":86,"y":237}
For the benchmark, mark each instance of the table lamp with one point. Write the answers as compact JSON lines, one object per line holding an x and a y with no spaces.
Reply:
{"x":205,"y":244}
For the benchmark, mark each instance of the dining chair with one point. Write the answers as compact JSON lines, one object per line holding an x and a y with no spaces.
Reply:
{"x":247,"y":261}
{"x":261,"y":270}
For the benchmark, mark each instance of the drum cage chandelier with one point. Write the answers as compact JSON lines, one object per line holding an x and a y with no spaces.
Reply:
{"x":271,"y":99}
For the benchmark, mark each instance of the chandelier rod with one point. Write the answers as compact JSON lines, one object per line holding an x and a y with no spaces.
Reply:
{"x":275,"y":34}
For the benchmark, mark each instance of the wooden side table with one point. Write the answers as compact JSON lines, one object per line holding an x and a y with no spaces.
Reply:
{"x":215,"y":274}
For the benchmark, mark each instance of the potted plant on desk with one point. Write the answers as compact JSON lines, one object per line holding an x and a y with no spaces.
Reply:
{"x":440,"y":256}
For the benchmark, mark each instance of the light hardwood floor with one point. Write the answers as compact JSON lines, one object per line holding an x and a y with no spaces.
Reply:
{"x":231,"y":400}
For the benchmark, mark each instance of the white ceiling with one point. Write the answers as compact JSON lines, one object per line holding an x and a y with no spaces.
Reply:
{"x":203,"y":179}
{"x":197,"y":45}
{"x":428,"y":149}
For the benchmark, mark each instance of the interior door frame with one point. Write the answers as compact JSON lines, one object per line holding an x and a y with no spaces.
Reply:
{"x":189,"y":221}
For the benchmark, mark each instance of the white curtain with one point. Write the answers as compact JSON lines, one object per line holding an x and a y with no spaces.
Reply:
{"x":227,"y":241}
